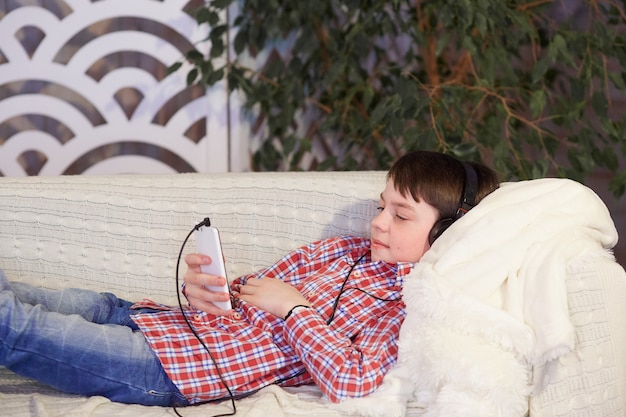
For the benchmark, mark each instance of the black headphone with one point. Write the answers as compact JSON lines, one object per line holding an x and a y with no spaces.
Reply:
{"x":468,"y":198}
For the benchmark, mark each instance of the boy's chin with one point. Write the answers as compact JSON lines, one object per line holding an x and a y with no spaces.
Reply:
{"x":377,"y":256}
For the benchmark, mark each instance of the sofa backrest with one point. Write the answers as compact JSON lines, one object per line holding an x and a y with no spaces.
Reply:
{"x":123,"y":233}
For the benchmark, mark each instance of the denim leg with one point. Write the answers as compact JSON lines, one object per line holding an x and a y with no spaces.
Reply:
{"x":92,"y":306}
{"x":74,"y":355}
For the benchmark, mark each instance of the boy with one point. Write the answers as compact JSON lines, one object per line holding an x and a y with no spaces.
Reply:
{"x":329,"y":312}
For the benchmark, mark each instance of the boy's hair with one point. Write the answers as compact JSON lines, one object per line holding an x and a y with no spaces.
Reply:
{"x":438,"y":179}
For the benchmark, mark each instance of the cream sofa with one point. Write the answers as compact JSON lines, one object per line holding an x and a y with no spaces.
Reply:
{"x":123,"y":234}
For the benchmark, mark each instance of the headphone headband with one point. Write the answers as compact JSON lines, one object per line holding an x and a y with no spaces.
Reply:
{"x":467,"y":202}
{"x":470,"y":188}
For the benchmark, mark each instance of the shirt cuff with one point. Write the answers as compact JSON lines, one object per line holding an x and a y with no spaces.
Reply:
{"x":295,"y":309}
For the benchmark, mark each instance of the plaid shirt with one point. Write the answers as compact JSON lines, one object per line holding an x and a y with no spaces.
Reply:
{"x":347,"y":358}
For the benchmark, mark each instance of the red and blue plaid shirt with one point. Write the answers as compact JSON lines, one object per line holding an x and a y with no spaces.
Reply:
{"x":347,"y":358}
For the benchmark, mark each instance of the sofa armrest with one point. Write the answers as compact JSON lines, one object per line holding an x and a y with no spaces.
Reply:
{"x":591,"y":380}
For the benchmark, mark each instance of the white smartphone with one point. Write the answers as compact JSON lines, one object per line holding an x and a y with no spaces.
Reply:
{"x":208,"y":243}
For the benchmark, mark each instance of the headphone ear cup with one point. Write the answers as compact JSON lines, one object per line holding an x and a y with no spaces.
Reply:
{"x":438,"y":229}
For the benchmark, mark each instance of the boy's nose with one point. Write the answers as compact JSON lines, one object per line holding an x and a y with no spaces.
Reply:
{"x":378,"y":221}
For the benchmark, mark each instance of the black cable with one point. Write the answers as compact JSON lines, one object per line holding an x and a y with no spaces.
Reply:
{"x":206,"y":221}
{"x":369,"y":294}
{"x":336,"y":304}
{"x":231,"y":396}
{"x":328,"y":321}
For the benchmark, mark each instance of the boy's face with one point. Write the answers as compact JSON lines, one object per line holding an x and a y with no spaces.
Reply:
{"x":400,"y":231}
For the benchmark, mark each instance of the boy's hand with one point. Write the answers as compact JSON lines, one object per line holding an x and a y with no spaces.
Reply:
{"x":196,"y":292}
{"x":271,"y":295}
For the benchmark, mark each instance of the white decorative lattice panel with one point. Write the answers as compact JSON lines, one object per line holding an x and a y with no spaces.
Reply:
{"x":84,"y":90}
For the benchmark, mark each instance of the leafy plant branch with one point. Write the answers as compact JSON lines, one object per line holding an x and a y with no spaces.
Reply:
{"x":529,"y":87}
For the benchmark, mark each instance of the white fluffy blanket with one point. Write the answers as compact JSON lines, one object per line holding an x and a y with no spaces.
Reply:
{"x":487,"y":304}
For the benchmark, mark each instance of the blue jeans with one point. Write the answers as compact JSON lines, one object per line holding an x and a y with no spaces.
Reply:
{"x":80,"y":342}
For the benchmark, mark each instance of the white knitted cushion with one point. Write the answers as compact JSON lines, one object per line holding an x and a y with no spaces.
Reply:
{"x":591,"y":381}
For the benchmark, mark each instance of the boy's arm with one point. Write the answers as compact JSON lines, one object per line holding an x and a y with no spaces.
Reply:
{"x":275,"y":289}
{"x":195,"y":284}
{"x":341,"y":367}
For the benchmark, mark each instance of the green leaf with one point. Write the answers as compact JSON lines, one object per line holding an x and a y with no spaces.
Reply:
{"x":540,"y":69}
{"x":379,"y":113}
{"x":540,"y":168}
{"x":481,"y":24}
{"x":442,"y":43}
{"x":599,"y":102}
{"x":221,"y":4}
{"x":368,"y":96}
{"x":204,"y":15}
{"x":464,"y":150}
{"x":577,"y":90}
{"x":240,"y":42}
{"x":557,"y":46}
{"x":217,"y":48}
{"x":581,"y":161}
{"x":218,"y":31}
{"x":192,"y":75}
{"x":327,"y":163}
{"x":173,"y":68}
{"x":215,"y":76}
{"x":427,"y":139}
{"x":411,"y":137}
{"x":608,"y":158}
{"x":618,"y":80}
{"x":538,"y":102}
{"x":617,"y":184}
{"x":194,"y":56}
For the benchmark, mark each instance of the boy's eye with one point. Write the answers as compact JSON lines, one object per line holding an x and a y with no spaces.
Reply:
{"x":380,"y":208}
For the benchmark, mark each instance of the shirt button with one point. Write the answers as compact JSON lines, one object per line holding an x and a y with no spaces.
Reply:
{"x":237,"y":316}
{"x":357,"y":273}
{"x":197,"y":317}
